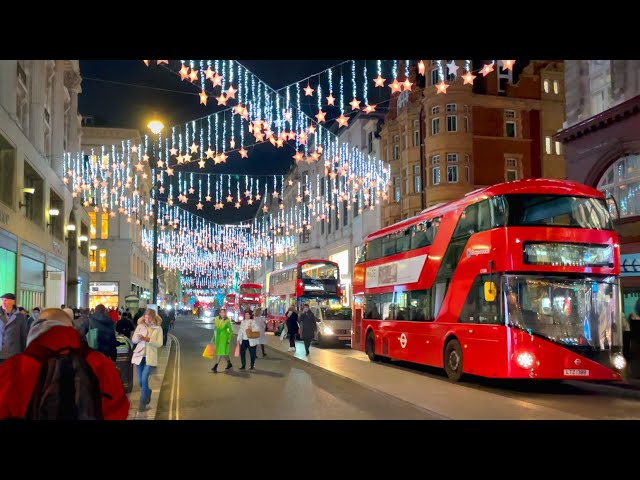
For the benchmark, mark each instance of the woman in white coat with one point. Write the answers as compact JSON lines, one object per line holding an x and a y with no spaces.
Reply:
{"x":262,"y":326}
{"x":247,"y":342}
{"x":147,"y":338}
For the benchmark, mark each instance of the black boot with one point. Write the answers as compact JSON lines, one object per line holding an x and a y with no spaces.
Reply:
{"x":215,"y":368}
{"x":228,"y":365}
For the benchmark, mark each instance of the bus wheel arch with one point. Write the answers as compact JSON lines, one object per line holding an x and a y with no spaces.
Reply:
{"x":452,"y":358}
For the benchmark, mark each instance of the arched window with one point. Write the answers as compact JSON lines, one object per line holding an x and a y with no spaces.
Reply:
{"x":622,"y":182}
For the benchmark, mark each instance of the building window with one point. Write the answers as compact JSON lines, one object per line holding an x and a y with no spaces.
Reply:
{"x":345,"y":212}
{"x":92,"y":228}
{"x":452,"y":157}
{"x":435,"y":110}
{"x":102,"y":261}
{"x":512,"y":169}
{"x":556,"y":87}
{"x":511,"y":175}
{"x":451,"y":107}
{"x":510,"y":129}
{"x":622,"y":182}
{"x":417,"y":179}
{"x":452,"y":173}
{"x":396,"y":187}
{"x":322,"y":226}
{"x":435,"y":176}
{"x":465,"y":109}
{"x":104,"y":226}
{"x":56,"y":222}
{"x":416,"y":133}
{"x":546,"y":86}
{"x":406,"y":183}
{"x":8,"y":169}
{"x":467,"y":157}
{"x":467,"y":174}
{"x":396,"y":147}
{"x":92,"y":260}
{"x":509,"y":114}
{"x":337,"y":225}
{"x":33,"y":203}
{"x":434,"y":77}
{"x":370,"y":141}
{"x":547,"y":145}
{"x":435,"y":160}
{"x":466,"y":124}
{"x":557,"y":148}
{"x":435,"y":126}
{"x":452,"y":123}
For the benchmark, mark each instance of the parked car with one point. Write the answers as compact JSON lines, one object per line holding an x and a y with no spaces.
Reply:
{"x":334,"y":324}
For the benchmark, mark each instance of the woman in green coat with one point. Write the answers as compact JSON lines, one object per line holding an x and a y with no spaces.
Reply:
{"x":222,"y":337}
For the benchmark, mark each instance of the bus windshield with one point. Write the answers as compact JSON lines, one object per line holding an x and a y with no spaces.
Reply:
{"x":336,"y":314}
{"x":250,"y":290}
{"x":319,"y":271}
{"x":578,"y":313}
{"x":558,"y":211}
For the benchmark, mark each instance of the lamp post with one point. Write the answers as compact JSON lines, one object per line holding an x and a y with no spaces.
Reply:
{"x":156,"y":127}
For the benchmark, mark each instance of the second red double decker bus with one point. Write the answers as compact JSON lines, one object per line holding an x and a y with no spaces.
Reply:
{"x":517,"y":280}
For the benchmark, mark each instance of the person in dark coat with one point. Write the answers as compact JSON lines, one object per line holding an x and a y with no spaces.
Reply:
{"x":292,"y":327}
{"x":81,"y":324}
{"x":139,"y":314}
{"x":309,"y":326}
{"x":165,"y":325}
{"x":106,"y":333}
{"x":125,"y":326}
{"x":14,"y":328}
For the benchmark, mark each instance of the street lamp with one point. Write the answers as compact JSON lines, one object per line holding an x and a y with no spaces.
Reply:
{"x":156,"y":127}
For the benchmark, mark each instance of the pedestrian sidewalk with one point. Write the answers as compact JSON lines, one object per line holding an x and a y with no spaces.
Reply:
{"x":155,"y":383}
{"x":447,"y":400}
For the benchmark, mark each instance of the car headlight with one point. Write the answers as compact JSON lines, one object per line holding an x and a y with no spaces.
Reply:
{"x":619,"y":362}
{"x":525,"y":359}
{"x":328,"y":331}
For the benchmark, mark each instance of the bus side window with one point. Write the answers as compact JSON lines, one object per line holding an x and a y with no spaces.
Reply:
{"x":403,"y":241}
{"x":467,"y":223}
{"x":420,"y":235}
{"x":476,"y":308}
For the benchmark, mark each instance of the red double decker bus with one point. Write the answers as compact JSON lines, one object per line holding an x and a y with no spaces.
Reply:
{"x":249,"y":296}
{"x":313,"y":281}
{"x":517,"y":280}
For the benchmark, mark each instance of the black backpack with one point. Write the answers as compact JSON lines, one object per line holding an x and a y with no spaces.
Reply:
{"x":67,"y":388}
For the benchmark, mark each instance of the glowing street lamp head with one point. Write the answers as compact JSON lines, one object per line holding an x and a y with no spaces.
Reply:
{"x":155,"y":126}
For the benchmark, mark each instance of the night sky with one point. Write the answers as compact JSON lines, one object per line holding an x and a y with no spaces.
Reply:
{"x":153,"y":89}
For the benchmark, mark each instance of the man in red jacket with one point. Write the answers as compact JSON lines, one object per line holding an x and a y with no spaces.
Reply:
{"x":54,"y":332}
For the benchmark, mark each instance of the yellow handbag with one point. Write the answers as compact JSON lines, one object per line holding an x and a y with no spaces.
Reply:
{"x":209,"y":351}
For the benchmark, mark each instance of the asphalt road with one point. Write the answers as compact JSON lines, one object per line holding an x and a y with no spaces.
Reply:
{"x":279,"y":388}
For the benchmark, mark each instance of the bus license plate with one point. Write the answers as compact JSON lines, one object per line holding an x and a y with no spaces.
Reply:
{"x":574,"y":372}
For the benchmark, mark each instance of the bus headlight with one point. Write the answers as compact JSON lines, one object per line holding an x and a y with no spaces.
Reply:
{"x":619,"y":362}
{"x":328,"y":331}
{"x":525,"y":359}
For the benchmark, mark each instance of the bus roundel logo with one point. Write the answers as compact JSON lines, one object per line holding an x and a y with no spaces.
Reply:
{"x":403,"y":340}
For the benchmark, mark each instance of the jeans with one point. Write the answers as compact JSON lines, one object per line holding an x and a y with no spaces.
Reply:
{"x":252,"y":353}
{"x":292,"y":340}
{"x":307,"y":344}
{"x":144,"y":371}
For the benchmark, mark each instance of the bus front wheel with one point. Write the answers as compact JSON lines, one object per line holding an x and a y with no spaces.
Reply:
{"x":370,"y":348}
{"x":453,"y":360}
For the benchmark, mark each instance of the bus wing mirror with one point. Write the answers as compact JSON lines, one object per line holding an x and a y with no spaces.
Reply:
{"x":490,"y":292}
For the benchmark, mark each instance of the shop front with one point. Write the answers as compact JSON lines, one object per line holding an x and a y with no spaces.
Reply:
{"x":105,"y":293}
{"x":55,"y":282}
{"x":8,"y":245}
{"x":342,"y":259}
{"x":32,"y":278}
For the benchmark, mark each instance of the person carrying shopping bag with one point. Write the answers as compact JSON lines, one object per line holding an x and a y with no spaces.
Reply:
{"x":248,"y":338}
{"x":222,"y":338}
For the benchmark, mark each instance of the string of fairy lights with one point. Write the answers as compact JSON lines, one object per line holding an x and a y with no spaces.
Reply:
{"x":119,"y":179}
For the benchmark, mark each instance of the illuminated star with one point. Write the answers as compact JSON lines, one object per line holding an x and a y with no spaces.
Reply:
{"x":265,"y":209}
{"x":193,"y":76}
{"x":250,"y":202}
{"x":331,"y":99}
{"x":229,"y":198}
{"x":180,"y":159}
{"x":280,"y":143}
{"x":407,"y":85}
{"x":287,"y":116}
{"x":395,"y":86}
{"x":145,"y":176}
{"x":468,"y":78}
{"x":222,"y":100}
{"x":487,"y":69}
{"x":194,"y":148}
{"x":355,"y":104}
{"x":217,"y":80}
{"x":453,"y":68}
{"x":145,"y":157}
{"x":191,"y":190}
{"x":247,"y":193}
{"x":275,"y":194}
{"x":320,"y":116}
{"x":299,"y":199}
{"x":379,"y":81}
{"x":199,"y":206}
{"x":258,"y":196}
{"x":290,"y":182}
{"x":442,"y":87}
{"x":134,"y":149}
{"x":223,"y":157}
{"x":243,"y":153}
{"x":160,"y":164}
{"x":308,"y":91}
{"x":231,"y":92}
{"x":208,"y":198}
{"x":208,"y":73}
{"x":173,"y":151}
{"x":209,"y":153}
{"x":232,"y":143}
{"x":203,"y":97}
{"x":184,"y":72}
{"x":169,"y":171}
{"x":421,"y":67}
{"x":342,"y":120}
{"x":139,"y":167}
{"x":201,"y":163}
{"x":507,"y":64}
{"x":369,"y":108}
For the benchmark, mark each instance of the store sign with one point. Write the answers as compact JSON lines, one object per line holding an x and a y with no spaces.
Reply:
{"x":395,"y":273}
{"x":4,"y":217}
{"x":630,"y":265}
{"x":103,"y":288}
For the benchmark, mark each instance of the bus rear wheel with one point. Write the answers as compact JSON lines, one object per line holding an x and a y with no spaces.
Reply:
{"x":453,"y":360}
{"x":370,"y":348}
